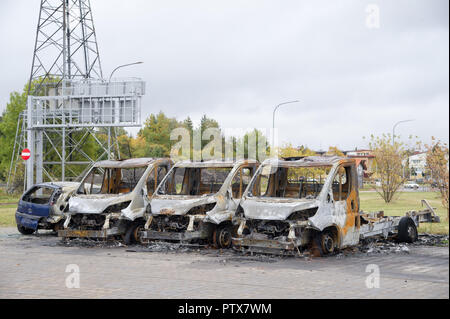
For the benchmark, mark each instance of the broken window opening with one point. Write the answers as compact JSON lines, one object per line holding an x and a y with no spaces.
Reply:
{"x":112,"y":180}
{"x":194,"y":181}
{"x":290,"y":182}
{"x":39,"y":195}
{"x":154,"y":178}
{"x":240,"y":181}
{"x":342,"y":183}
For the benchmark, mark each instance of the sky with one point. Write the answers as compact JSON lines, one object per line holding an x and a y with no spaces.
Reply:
{"x":354,"y":75}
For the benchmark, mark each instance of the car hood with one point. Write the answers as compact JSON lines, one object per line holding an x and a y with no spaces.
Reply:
{"x":178,"y":205}
{"x":275,"y":208}
{"x":94,"y":204}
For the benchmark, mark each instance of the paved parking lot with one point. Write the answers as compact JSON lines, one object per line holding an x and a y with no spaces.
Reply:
{"x":35,"y":267}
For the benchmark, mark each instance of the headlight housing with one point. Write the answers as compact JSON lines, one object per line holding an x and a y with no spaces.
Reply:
{"x":117,"y":207}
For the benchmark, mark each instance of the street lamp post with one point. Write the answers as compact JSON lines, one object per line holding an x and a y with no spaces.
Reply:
{"x":122,"y":66}
{"x":107,"y":91}
{"x":393,"y":129}
{"x":273,"y":119}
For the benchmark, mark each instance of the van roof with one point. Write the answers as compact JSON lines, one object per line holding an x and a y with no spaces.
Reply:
{"x":214,"y":163}
{"x":308,"y":161}
{"x":130,"y":163}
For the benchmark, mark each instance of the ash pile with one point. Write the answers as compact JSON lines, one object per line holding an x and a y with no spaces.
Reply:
{"x":376,"y":246}
{"x":90,"y":243}
{"x":432,"y":240}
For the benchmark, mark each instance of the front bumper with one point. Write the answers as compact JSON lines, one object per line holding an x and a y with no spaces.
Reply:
{"x":104,"y":233}
{"x":263,"y":245}
{"x":184,"y":236}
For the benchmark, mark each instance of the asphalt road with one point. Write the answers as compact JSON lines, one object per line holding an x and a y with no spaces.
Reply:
{"x":43,"y":266}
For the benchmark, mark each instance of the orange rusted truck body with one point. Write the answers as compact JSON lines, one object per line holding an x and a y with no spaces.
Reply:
{"x":312,"y":203}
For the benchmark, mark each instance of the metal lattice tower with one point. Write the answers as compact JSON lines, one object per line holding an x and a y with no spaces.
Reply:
{"x":66,"y":43}
{"x":69,"y":103}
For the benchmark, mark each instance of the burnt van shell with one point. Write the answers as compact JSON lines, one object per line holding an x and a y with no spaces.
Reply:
{"x":31,"y":210}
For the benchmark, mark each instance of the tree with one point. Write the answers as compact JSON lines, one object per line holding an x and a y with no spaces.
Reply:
{"x":124,"y":142}
{"x":156,"y":131}
{"x":156,"y":150}
{"x":388,"y":160}
{"x":187,"y":123}
{"x":437,"y":164}
{"x":138,"y":147}
{"x":334,"y":151}
{"x":289,"y":151}
{"x":254,"y":144}
{"x":8,"y":125}
{"x":206,"y":123}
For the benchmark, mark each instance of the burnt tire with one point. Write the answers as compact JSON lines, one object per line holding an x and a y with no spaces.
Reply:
{"x":323,"y":244}
{"x":132,"y":233}
{"x":25,"y":231}
{"x":407,"y":230}
{"x":222,"y":236}
{"x":58,"y":226}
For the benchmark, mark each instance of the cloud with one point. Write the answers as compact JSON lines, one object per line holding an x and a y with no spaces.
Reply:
{"x":235,"y":60}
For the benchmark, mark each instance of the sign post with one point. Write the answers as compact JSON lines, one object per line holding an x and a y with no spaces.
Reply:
{"x":26,"y":154}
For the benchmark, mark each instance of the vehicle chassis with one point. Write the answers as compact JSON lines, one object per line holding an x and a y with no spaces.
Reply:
{"x":377,"y":226}
{"x":345,"y":225}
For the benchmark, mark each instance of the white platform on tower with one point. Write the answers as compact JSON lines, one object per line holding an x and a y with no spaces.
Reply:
{"x":88,"y":103}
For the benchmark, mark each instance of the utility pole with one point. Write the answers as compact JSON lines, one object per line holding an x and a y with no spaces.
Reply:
{"x":273,"y":118}
{"x":395,"y":126}
{"x":122,"y":66}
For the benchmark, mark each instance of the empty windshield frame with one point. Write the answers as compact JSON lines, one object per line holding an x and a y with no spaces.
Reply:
{"x":194,"y":181}
{"x":295,"y":182}
{"x":102,"y":180}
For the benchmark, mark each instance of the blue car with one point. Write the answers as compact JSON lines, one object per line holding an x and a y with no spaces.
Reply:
{"x":43,"y":205}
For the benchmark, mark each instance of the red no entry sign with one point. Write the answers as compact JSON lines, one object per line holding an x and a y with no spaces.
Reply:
{"x":26,"y":154}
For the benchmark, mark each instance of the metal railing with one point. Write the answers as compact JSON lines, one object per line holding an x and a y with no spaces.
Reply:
{"x":87,"y":103}
{"x":93,"y":112}
{"x":94,"y":88}
{"x":130,"y":87}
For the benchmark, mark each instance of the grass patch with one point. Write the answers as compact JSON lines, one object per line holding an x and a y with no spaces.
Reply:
{"x":368,"y":187}
{"x":406,"y":201}
{"x":8,"y":206}
{"x":7,"y":218}
{"x":7,"y":198}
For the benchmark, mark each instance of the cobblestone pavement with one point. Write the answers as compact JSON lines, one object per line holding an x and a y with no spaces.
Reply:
{"x":35,"y":267}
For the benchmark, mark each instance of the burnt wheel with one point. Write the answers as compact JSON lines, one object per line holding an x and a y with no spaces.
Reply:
{"x":407,"y":230}
{"x":323,"y":244}
{"x":327,"y":242}
{"x":25,"y":231}
{"x":132,"y":234}
{"x":222,"y":236}
{"x":58,"y":226}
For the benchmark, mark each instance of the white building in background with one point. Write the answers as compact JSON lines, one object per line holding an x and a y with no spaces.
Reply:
{"x":418,"y":163}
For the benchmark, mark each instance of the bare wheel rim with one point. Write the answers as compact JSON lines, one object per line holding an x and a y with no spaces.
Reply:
{"x":137,"y":232}
{"x":327,"y":243}
{"x":224,"y":238}
{"x":411,"y":232}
